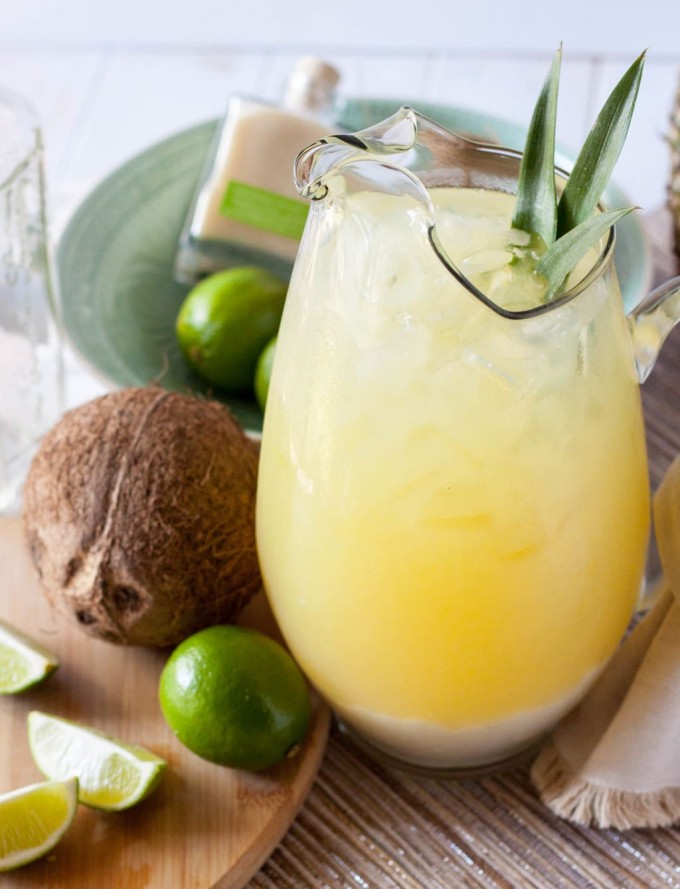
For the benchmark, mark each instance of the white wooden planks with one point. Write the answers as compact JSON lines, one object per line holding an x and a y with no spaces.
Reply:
{"x":586,"y":27}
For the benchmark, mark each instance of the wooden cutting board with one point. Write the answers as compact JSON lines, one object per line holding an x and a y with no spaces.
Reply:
{"x":205,"y":826}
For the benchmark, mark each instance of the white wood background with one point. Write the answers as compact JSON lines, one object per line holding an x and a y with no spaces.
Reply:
{"x":110,"y":78}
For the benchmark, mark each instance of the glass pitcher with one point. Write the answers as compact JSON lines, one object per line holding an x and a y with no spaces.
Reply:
{"x":453,"y":504}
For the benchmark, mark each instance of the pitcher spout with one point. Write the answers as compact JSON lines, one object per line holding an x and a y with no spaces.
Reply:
{"x":314,"y":165}
{"x":414,"y":145}
{"x":650,"y":324}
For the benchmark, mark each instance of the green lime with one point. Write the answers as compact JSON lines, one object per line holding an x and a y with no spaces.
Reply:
{"x":235,"y":697}
{"x":23,"y":663}
{"x":111,"y":775}
{"x":34,"y":819}
{"x":263,"y":372}
{"x":226,"y":321}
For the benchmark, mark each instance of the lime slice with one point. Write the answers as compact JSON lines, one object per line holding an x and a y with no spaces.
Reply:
{"x":34,"y":819}
{"x":23,"y":662}
{"x":111,"y":775}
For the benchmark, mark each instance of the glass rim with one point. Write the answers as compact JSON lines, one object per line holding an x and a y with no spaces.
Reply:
{"x":26,"y":139}
{"x":23,"y":164}
{"x":603,"y":259}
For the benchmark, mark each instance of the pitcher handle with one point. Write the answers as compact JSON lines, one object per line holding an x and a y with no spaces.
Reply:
{"x":651,"y":322}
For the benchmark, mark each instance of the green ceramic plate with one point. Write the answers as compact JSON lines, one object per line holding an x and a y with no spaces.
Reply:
{"x":115,"y":257}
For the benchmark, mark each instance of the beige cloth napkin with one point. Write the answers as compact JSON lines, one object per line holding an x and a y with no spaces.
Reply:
{"x":614,"y":761}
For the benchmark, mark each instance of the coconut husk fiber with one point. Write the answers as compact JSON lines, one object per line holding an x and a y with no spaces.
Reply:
{"x":140,"y":516}
{"x":614,"y":761}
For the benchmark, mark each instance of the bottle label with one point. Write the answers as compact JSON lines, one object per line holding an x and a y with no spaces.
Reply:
{"x":264,"y":209}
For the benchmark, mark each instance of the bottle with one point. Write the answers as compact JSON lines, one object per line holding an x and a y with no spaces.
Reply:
{"x":246,"y":210}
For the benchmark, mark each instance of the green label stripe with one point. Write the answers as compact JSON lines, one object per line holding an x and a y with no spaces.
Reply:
{"x":264,"y":209}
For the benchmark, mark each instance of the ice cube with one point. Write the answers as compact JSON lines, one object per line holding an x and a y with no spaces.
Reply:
{"x":485,"y":261}
{"x":519,"y":238}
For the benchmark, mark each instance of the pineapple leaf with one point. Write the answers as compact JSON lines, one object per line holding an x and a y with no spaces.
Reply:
{"x":561,"y":258}
{"x":600,"y":152}
{"x":536,"y":206}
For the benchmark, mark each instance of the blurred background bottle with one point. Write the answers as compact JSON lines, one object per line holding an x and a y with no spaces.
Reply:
{"x":246,"y":209}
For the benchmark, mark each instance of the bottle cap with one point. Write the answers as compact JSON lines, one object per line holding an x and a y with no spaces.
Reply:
{"x":311,"y":86}
{"x":316,"y":69}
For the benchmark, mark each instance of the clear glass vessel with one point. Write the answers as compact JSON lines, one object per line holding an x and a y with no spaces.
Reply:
{"x":453,"y":503}
{"x":31,"y":374}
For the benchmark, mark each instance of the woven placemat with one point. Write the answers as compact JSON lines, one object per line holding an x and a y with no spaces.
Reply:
{"x":368,"y":827}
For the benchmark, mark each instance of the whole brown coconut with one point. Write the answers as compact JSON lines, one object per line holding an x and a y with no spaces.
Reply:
{"x":139,"y":514}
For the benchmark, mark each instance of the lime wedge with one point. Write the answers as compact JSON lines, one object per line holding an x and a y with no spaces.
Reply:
{"x":23,"y":662}
{"x":34,"y":819}
{"x":111,"y":775}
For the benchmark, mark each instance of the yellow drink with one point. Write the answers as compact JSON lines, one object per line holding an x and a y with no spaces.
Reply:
{"x":453,"y":506}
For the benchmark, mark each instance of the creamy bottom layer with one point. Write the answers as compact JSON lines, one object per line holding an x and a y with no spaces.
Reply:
{"x":437,"y":746}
